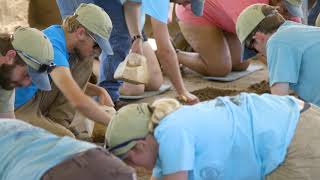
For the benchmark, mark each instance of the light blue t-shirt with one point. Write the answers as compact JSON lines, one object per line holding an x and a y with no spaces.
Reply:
{"x":293,"y":57}
{"x":158,"y":9}
{"x":242,"y":137}
{"x":56,"y":35}
{"x":27,"y":152}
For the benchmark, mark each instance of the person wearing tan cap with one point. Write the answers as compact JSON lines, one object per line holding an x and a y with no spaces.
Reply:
{"x":31,"y":153}
{"x":26,"y":57}
{"x":213,"y":35}
{"x":81,"y":37}
{"x":243,"y":137}
{"x":291,"y":50}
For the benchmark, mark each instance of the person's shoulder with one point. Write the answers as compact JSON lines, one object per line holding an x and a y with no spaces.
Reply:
{"x":55,"y":33}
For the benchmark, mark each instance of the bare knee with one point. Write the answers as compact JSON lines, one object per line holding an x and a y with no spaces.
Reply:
{"x":128,"y":89}
{"x":241,"y":66}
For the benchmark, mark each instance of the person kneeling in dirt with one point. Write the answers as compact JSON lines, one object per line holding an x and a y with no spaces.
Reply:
{"x":75,"y":43}
{"x":31,"y":153}
{"x":213,"y":35}
{"x":239,"y":137}
{"x":291,"y":50}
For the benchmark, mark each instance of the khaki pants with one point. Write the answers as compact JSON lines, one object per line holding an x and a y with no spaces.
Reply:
{"x":303,"y":158}
{"x":94,"y":164}
{"x":50,"y":110}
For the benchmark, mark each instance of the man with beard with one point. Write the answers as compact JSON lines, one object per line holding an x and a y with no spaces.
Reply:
{"x":81,"y":37}
{"x":25,"y":56}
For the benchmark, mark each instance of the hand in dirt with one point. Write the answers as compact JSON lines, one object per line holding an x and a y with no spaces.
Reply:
{"x":104,"y":98}
{"x":188,"y":98}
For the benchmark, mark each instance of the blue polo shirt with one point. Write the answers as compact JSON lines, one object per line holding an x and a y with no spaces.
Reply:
{"x":230,"y":138}
{"x":27,"y":152}
{"x":293,"y":57}
{"x":56,"y":35}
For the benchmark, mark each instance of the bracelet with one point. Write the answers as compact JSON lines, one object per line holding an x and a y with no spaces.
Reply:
{"x":136,"y":37}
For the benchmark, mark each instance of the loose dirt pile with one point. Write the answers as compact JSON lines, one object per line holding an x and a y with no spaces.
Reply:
{"x":211,"y":93}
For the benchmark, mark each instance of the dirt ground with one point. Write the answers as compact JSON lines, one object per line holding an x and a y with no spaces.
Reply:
{"x":44,"y":12}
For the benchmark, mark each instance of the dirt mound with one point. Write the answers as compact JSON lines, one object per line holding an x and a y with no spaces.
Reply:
{"x":211,"y":93}
{"x":259,"y":88}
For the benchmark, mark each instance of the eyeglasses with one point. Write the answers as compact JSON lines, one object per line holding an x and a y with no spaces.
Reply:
{"x":42,"y":67}
{"x":249,"y":43}
{"x":96,"y":45}
{"x":123,"y":145}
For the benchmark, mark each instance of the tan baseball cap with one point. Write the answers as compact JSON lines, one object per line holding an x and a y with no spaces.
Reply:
{"x":36,"y":51}
{"x":128,"y":125}
{"x":97,"y":21}
{"x":294,"y":7}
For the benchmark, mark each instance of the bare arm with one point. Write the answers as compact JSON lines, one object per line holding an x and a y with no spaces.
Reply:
{"x":183,"y":175}
{"x":132,"y":15}
{"x":169,"y":60}
{"x":104,"y":97}
{"x":63,"y":79}
{"x":280,"y":89}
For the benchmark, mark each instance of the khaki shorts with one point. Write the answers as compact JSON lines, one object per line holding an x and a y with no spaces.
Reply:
{"x":303,"y":158}
{"x":93,"y":164}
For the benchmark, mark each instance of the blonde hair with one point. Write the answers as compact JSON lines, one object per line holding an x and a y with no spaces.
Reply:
{"x":161,"y":108}
{"x":70,"y":24}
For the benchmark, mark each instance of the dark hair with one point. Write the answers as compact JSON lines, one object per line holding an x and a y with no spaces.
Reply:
{"x":5,"y":46}
{"x":270,"y":23}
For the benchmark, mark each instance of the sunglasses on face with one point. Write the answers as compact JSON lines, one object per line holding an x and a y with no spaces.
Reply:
{"x":249,"y":43}
{"x":95,"y":44}
{"x":42,"y":67}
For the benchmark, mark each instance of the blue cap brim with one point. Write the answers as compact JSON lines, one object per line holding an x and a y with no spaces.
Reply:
{"x":104,"y":45}
{"x":41,"y":80}
{"x":197,"y":7}
{"x":246,"y":53}
{"x":294,"y":10}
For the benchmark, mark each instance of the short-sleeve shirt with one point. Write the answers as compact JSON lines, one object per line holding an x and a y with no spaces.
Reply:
{"x":6,"y":101}
{"x":157,"y":9}
{"x":293,"y":57}
{"x":56,"y":35}
{"x":235,"y":138}
{"x":27,"y":152}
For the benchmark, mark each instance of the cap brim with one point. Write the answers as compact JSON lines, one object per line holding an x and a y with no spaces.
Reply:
{"x":294,"y":10}
{"x":197,"y":7}
{"x":247,"y":53}
{"x":41,"y":80}
{"x":104,"y":45}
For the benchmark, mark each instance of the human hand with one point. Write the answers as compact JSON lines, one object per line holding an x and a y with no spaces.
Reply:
{"x":136,"y":46}
{"x":188,"y":98}
{"x":104,"y":98}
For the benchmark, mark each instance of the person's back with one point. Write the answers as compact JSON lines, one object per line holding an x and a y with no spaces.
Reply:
{"x":28,"y":152}
{"x":31,"y":153}
{"x":216,"y":138}
{"x":292,"y":54}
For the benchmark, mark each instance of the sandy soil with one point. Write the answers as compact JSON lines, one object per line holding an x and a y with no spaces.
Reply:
{"x":44,"y":12}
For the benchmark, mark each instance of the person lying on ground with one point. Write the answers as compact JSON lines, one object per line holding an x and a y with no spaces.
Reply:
{"x":31,"y":153}
{"x":213,"y":35}
{"x":291,"y":50}
{"x":233,"y":138}
{"x":26,"y":57}
{"x":80,"y":38}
